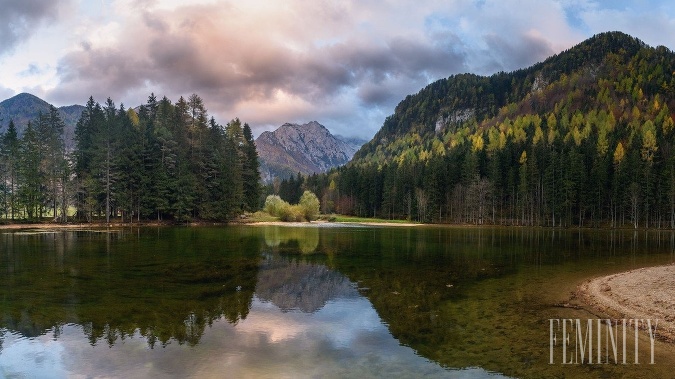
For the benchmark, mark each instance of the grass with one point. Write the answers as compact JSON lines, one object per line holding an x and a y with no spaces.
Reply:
{"x":260,"y":216}
{"x":341,"y":218}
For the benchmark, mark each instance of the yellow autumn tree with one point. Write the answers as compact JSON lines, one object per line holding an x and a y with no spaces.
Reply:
{"x":619,"y":153}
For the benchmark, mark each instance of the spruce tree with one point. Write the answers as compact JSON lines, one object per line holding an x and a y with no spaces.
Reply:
{"x":250,"y":171}
{"x":30,"y":192}
{"x":9,"y":156}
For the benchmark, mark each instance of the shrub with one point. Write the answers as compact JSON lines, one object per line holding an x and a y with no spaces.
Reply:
{"x":274,"y":205}
{"x":309,"y":205}
{"x":293,"y":213}
{"x":307,"y":209}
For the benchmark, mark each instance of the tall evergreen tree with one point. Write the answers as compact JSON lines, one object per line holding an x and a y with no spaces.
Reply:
{"x":86,"y":147}
{"x":9,"y":159}
{"x":30,"y":190}
{"x":250,"y":171}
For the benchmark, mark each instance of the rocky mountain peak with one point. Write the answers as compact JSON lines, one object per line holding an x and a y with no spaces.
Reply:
{"x":308,"y":148}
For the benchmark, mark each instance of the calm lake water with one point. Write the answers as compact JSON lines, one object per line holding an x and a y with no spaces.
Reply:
{"x":319,"y":301}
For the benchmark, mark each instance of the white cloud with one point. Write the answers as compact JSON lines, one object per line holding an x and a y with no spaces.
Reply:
{"x":652,"y":26}
{"x":5,"y":93}
{"x":345,"y":64}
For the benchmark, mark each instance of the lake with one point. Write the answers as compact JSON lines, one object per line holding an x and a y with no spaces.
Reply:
{"x":324,"y":300}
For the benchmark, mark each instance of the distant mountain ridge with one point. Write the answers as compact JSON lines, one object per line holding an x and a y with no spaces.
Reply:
{"x":25,"y":107}
{"x":308,"y":148}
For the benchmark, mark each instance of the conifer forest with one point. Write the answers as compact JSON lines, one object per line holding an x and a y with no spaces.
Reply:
{"x":159,"y":161}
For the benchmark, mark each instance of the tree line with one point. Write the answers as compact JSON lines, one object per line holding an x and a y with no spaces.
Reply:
{"x":160,"y":161}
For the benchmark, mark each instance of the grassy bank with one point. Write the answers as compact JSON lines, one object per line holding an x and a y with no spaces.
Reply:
{"x":342,"y":218}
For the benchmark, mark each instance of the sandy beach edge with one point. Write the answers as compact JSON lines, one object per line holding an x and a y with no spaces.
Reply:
{"x":85,"y":225}
{"x":644,"y":293}
{"x":53,"y":226}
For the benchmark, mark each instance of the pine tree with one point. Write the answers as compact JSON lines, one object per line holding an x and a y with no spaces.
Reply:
{"x":167,"y":158}
{"x":88,"y":126}
{"x":250,"y":171}
{"x":9,"y":158}
{"x":55,"y":163}
{"x":30,"y":190}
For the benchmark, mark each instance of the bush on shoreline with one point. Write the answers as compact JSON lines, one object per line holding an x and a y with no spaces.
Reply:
{"x":306,"y":210}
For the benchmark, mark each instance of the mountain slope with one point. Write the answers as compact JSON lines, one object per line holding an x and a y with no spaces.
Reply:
{"x":468,"y":98}
{"x":25,"y":107}
{"x":308,"y":149}
{"x":586,"y":137}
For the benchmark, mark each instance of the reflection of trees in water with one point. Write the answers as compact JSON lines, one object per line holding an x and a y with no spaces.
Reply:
{"x":294,"y":284}
{"x":408,"y":274}
{"x":464,"y":296}
{"x":169,"y":284}
{"x":284,"y":238}
{"x":166,"y":287}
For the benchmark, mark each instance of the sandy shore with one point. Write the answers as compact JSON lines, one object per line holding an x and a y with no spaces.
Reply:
{"x":51,"y":226}
{"x":96,"y":225}
{"x":646,"y":293}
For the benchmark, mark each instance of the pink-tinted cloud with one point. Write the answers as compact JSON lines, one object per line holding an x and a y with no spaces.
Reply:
{"x":345,"y":64}
{"x":232,"y":59}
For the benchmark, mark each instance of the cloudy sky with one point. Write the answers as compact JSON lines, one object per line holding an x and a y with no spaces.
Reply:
{"x":345,"y":63}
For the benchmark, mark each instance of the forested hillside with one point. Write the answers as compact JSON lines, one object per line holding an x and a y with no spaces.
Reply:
{"x":166,"y":161}
{"x":583,"y":138}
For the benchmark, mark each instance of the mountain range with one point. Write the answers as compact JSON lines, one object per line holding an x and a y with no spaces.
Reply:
{"x":308,"y":148}
{"x":25,"y":107}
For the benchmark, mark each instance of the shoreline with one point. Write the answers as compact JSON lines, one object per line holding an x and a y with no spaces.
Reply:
{"x":83,"y":225}
{"x":245,"y":221}
{"x":330,"y":223}
{"x":643,"y":293}
{"x":52,"y":226}
{"x":98,"y":225}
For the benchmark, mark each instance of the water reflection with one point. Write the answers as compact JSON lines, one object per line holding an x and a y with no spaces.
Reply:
{"x":297,"y":285}
{"x":75,"y":277}
{"x":282,"y":238}
{"x":102,"y":307}
{"x":310,"y":301}
{"x":345,"y":339}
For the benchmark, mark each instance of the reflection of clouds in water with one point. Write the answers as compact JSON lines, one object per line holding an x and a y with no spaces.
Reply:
{"x":265,"y":325}
{"x":344,"y":339}
{"x":32,"y":358}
